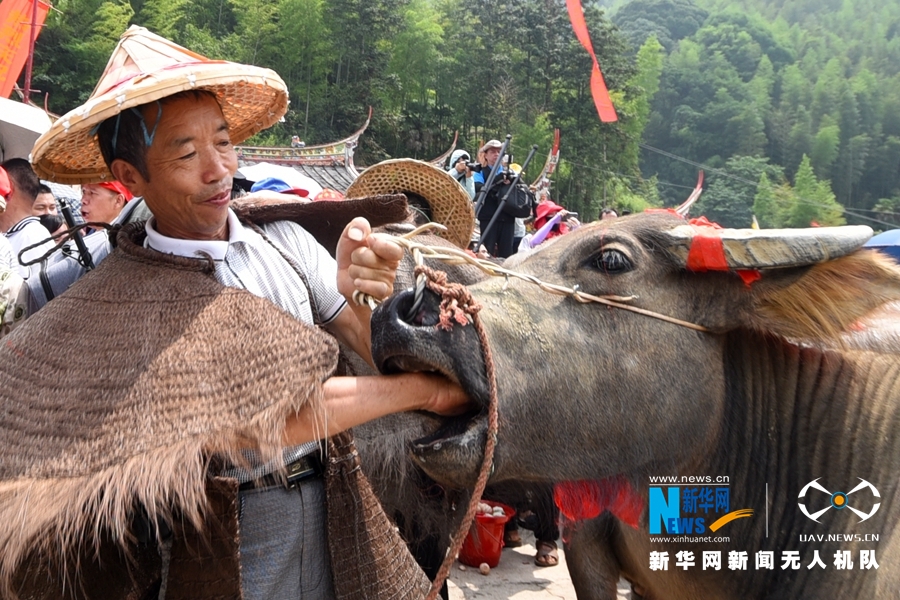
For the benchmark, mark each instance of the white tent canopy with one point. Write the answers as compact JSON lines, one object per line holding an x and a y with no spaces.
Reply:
{"x":289,"y":175}
{"x":20,"y":126}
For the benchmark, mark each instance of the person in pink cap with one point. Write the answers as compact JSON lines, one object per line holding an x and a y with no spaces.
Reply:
{"x":102,"y":202}
{"x":551,"y":220}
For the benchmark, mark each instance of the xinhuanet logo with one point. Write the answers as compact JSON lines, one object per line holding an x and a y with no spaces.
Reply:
{"x":691,"y":510}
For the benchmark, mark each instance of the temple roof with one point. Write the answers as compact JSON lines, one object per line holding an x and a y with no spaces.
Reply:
{"x":330,"y":165}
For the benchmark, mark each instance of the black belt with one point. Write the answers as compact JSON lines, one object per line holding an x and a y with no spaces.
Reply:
{"x":304,"y":467}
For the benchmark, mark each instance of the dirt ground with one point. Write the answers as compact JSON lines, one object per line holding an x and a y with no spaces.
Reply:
{"x":517,"y":577}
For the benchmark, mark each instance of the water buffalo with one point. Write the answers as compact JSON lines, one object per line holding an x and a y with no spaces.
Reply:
{"x":768,"y":394}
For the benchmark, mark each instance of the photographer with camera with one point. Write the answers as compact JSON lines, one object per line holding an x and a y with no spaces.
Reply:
{"x":487,"y":156}
{"x":498,"y":239}
{"x":459,"y":169}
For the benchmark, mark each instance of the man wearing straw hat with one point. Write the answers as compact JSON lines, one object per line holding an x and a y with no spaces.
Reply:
{"x":200,"y":395}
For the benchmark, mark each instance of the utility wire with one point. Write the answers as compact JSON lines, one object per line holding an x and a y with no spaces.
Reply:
{"x":632,"y":177}
{"x":725,"y":173}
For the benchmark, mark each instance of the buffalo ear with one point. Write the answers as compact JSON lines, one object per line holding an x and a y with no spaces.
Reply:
{"x":821,"y":301}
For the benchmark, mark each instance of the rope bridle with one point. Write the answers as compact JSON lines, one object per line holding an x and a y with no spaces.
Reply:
{"x":458,"y":305}
{"x":455,"y":256}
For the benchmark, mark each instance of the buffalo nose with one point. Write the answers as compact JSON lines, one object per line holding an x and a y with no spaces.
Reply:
{"x":416,"y":308}
{"x":397,"y":330}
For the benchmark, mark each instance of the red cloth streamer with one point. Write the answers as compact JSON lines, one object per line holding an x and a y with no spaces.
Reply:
{"x":587,"y":499}
{"x":707,"y":254}
{"x":598,"y":87}
{"x":15,"y":35}
{"x":704,"y":222}
{"x":749,"y":276}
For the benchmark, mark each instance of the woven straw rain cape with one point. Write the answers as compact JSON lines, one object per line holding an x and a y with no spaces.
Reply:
{"x":133,"y":403}
{"x":121,"y":392}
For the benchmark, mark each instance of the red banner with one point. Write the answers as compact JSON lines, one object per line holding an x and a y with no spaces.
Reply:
{"x":598,"y":87}
{"x":15,"y":35}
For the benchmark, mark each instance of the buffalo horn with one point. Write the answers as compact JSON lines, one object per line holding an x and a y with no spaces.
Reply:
{"x":770,"y":248}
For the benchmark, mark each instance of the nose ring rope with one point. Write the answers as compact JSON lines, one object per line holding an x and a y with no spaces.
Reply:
{"x":457,"y":305}
{"x":454,"y":256}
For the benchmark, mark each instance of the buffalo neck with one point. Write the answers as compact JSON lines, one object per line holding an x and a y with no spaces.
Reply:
{"x":795,"y":413}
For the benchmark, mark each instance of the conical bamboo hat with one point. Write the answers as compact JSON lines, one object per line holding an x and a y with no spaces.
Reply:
{"x":145,"y":67}
{"x":450,"y":203}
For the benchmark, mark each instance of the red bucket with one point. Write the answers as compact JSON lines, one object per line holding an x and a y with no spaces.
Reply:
{"x":485,"y":539}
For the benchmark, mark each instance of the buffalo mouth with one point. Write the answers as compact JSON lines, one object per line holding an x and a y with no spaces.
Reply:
{"x":452,"y":454}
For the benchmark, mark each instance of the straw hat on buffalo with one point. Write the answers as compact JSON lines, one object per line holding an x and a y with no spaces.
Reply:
{"x":449,"y":202}
{"x":143,"y":68}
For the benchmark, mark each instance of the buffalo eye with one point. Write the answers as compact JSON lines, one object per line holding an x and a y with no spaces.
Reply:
{"x":611,"y":262}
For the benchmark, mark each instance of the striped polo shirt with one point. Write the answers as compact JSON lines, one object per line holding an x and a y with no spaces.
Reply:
{"x":27,"y":232}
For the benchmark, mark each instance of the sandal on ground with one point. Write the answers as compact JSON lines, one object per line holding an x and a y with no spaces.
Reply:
{"x":546,"y":556}
{"x":511,"y":539}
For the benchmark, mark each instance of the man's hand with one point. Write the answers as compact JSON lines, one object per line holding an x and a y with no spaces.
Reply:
{"x":366,"y":261}
{"x":351,"y":401}
{"x":442,"y":396}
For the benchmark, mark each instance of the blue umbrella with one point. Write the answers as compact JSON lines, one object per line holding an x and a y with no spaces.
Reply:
{"x":887,"y":242}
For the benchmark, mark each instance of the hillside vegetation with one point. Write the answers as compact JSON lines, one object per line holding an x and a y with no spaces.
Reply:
{"x":792,"y":108}
{"x":798,"y":102}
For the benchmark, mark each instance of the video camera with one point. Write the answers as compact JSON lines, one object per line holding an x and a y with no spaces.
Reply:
{"x":475,"y":167}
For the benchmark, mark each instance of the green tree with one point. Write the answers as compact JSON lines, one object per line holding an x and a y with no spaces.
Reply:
{"x":256,"y":23}
{"x":415,"y":54}
{"x":92,"y":51}
{"x":302,"y":29}
{"x":649,"y":62}
{"x":888,"y":209}
{"x":825,"y":146}
{"x":526,"y":135}
{"x":815,"y":202}
{"x":731,"y":193}
{"x":772,"y":203}
{"x":668,"y":20}
{"x":163,"y":17}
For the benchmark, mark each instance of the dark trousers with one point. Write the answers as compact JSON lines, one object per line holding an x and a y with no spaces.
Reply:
{"x":534,"y":497}
{"x":499,"y":240}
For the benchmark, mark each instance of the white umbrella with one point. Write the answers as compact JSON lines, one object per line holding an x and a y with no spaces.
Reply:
{"x":289,"y":175}
{"x":62,"y":191}
{"x":20,"y":126}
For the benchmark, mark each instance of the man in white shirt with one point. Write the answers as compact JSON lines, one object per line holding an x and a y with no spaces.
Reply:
{"x":6,"y":257}
{"x":177,"y":153}
{"x":12,"y":289}
{"x":17,"y":222}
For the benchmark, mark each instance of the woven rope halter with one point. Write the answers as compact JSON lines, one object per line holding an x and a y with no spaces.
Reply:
{"x":453,"y":256}
{"x":458,"y":305}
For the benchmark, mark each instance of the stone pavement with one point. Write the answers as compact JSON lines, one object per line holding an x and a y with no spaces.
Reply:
{"x":518,"y":578}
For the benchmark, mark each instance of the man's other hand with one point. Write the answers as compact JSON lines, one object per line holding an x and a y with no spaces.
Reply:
{"x":366,"y":261}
